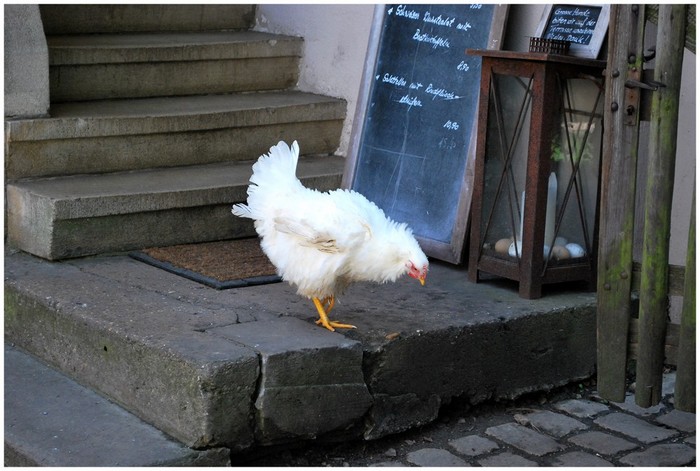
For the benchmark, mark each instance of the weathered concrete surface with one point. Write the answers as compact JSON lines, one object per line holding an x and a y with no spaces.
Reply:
{"x":125,"y":135}
{"x":156,"y":333}
{"x":62,"y":19}
{"x":52,"y":421}
{"x":26,"y":63}
{"x":137,"y":345}
{"x":311,"y":380}
{"x":461,"y":339}
{"x":89,"y":214}
{"x":89,"y":67}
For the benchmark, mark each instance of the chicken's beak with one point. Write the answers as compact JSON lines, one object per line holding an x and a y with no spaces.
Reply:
{"x":422,"y":279}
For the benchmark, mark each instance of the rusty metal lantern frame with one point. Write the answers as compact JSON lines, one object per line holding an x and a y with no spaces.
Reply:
{"x":546,"y":99}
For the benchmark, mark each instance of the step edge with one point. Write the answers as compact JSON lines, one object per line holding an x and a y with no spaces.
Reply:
{"x":173,"y":452}
{"x":265,"y":46}
{"x":94,"y":203}
{"x":75,"y":127}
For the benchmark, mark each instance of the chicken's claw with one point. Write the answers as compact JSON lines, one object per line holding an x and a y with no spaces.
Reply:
{"x":323,"y":314}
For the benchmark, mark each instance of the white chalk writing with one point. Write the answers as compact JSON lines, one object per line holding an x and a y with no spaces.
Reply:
{"x":410,"y":101}
{"x":410,"y":14}
{"x":464,"y":26}
{"x":576,"y":25}
{"x":394,"y":80}
{"x":451,"y":125}
{"x":438,"y":20}
{"x":441,"y":93}
{"x":436,"y":41}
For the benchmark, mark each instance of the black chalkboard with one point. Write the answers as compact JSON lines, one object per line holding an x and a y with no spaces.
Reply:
{"x":573,"y":23}
{"x":413,"y":130}
{"x":584,"y":26}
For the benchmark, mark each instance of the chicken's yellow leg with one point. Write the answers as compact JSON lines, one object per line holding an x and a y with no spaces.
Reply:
{"x":323,"y":316}
{"x":329,"y":303}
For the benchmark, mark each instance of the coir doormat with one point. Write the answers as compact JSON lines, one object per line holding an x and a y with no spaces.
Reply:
{"x":220,"y":265}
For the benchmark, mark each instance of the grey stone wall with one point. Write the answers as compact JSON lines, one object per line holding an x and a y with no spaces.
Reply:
{"x":26,"y":63}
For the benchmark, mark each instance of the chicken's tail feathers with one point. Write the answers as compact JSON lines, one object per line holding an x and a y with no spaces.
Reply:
{"x":278,"y":166}
{"x":241,"y":210}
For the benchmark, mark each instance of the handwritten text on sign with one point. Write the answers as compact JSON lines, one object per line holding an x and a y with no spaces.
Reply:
{"x":572,"y":23}
{"x":421,"y":111}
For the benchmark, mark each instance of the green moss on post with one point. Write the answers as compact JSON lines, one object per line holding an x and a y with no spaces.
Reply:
{"x":653,"y":290}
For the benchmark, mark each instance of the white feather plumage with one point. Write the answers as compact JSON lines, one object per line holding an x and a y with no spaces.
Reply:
{"x":322,"y":242}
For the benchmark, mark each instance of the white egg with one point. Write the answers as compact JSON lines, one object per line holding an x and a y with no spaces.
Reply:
{"x":560,"y":253}
{"x":503,"y":244}
{"x":575,"y":250}
{"x":511,"y":250}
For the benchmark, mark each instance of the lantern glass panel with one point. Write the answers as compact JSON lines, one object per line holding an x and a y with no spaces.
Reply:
{"x":575,"y":160}
{"x":505,"y":163}
{"x":574,"y":153}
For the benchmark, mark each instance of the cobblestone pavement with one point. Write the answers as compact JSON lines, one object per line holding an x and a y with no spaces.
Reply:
{"x":569,"y":427}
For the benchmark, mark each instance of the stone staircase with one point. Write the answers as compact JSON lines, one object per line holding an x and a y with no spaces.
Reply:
{"x":157,"y":112}
{"x":157,"y":115}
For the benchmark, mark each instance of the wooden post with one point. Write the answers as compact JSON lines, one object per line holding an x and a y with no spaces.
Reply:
{"x":618,"y":182}
{"x":653,"y":289}
{"x":685,"y":373}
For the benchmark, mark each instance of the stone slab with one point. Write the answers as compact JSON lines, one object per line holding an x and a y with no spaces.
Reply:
{"x":131,"y":134}
{"x":471,"y":346}
{"x":683,"y":421}
{"x":434,"y":457}
{"x":89,"y":214}
{"x":633,"y":427}
{"x":26,"y":66}
{"x":581,"y":408}
{"x":579,"y":459}
{"x":52,"y":421}
{"x":507,"y":459}
{"x":311,"y":380}
{"x":556,"y":425}
{"x":473,"y":445}
{"x":602,"y":442}
{"x":667,"y":454}
{"x":75,"y":19}
{"x":524,"y":439}
{"x":90,"y":318}
{"x":169,"y":47}
{"x":68,"y":312}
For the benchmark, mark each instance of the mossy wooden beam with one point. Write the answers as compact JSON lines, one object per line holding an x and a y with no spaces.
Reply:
{"x":685,"y":374}
{"x":619,"y":169}
{"x":653,"y":290}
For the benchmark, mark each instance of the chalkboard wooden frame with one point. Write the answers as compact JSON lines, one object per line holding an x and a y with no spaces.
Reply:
{"x":453,"y":250}
{"x":590,"y":50}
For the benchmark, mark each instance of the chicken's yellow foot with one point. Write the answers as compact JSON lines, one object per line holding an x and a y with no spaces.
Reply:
{"x":323,"y":316}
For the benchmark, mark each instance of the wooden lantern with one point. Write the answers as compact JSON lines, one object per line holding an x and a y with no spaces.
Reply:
{"x":536,"y":174}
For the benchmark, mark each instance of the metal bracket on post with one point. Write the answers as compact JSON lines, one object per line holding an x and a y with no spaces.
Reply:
{"x":632,"y":96}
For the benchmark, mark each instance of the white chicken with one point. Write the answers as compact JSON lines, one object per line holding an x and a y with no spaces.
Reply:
{"x":323,"y":242}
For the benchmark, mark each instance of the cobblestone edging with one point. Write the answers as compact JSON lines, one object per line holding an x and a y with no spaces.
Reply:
{"x":574,"y":430}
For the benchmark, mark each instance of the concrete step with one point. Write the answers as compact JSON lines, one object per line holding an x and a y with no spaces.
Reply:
{"x":107,"y":66}
{"x":121,"y":135}
{"x":248,"y":367}
{"x":81,"y":215}
{"x":76,"y":19}
{"x":50,"y":420}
